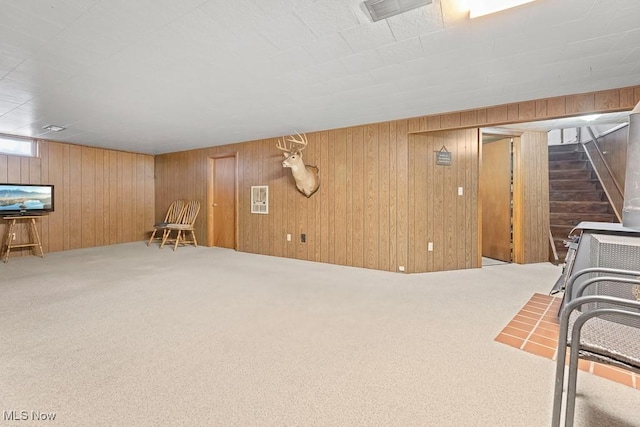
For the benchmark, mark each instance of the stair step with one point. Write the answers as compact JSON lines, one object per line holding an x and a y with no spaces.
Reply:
{"x":568,"y":155}
{"x":574,"y":219}
{"x":579,"y":206}
{"x":572,"y":184}
{"x":563,"y":148}
{"x":567,"y":164}
{"x":578,"y":195}
{"x":582,"y":174}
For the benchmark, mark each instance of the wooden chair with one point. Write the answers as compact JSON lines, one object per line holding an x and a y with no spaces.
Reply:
{"x":173,"y":216}
{"x":184,"y":225}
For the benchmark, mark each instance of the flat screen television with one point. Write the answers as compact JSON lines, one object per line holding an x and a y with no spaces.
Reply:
{"x":26,"y":199}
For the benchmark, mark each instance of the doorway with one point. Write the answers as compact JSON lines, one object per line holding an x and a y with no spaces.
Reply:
{"x":222,"y":201}
{"x":496,"y":180}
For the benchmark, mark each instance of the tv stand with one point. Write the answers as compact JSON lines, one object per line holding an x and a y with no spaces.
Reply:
{"x":34,"y":237}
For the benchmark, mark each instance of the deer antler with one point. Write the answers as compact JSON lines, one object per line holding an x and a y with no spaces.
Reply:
{"x":282,"y":145}
{"x":300,"y":143}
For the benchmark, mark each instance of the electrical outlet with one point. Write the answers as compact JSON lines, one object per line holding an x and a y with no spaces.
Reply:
{"x":401,"y":268}
{"x":303,"y":238}
{"x":13,"y":236}
{"x":288,"y":237}
{"x":430,"y":246}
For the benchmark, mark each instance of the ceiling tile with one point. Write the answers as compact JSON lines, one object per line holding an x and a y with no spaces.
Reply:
{"x":417,"y":22}
{"x":403,"y":51}
{"x":7,"y":105}
{"x":368,"y":36}
{"x":363,"y":62}
{"x":161,"y":75}
{"x":286,"y":31}
{"x":328,"y":48}
{"x":326,"y":17}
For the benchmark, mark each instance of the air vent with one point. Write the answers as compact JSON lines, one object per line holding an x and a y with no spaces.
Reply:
{"x":383,"y":9}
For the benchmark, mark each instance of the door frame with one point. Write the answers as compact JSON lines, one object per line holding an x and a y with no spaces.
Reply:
{"x":481,"y":191}
{"x":517,"y":254}
{"x":211,"y":161}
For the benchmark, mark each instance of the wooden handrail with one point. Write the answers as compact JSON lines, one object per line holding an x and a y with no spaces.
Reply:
{"x":616,"y":198}
{"x":594,"y":139}
{"x":553,"y":253}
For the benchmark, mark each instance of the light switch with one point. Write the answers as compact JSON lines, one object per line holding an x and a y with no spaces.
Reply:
{"x":459,"y":191}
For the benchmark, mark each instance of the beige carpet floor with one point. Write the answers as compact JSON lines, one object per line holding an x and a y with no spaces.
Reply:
{"x":127,"y":335}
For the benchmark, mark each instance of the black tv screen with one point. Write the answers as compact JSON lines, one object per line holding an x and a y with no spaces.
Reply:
{"x":26,"y":199}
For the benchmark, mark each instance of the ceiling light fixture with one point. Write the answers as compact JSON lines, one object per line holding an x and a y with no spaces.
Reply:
{"x":54,"y":128}
{"x":383,"y":9}
{"x":485,"y":7}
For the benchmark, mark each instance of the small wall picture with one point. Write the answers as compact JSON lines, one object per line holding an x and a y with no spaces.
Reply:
{"x":260,"y":199}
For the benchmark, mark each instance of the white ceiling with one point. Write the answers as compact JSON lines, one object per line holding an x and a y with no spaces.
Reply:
{"x":157,"y":76}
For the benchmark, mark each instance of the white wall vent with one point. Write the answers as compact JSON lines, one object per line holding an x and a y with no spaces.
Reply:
{"x":260,"y":199}
{"x":383,"y":9}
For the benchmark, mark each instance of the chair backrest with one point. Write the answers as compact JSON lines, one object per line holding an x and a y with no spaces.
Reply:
{"x":190,"y":213}
{"x":175,"y":209}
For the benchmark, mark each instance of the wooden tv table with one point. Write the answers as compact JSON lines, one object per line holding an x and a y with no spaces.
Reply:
{"x":34,"y":237}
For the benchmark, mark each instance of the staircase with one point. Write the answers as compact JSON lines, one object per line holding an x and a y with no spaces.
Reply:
{"x":575,"y":194}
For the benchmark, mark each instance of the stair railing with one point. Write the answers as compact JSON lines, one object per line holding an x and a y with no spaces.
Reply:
{"x":553,"y":252}
{"x":612,"y":188}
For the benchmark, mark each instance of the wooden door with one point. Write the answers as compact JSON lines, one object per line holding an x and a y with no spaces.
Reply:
{"x":495,"y":189}
{"x":221,"y":222}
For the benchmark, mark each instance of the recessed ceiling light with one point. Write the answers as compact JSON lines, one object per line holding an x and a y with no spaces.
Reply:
{"x":590,"y":117}
{"x":54,"y":128}
{"x":485,"y":7}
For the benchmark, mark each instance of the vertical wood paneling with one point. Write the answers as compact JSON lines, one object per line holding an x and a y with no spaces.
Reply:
{"x":85,"y":206}
{"x":43,"y":178}
{"x":384,"y":207}
{"x":340,"y":199}
{"x":75,"y":203}
{"x":115,"y":232}
{"x":349,"y":195}
{"x":393,"y":197}
{"x":402,"y":156}
{"x":56,"y":219}
{"x":88,"y":191}
{"x":330,"y":195}
{"x":531,"y":198}
{"x":371,"y":231}
{"x":358,"y":197}
{"x":378,"y":184}
{"x":99,"y":198}
{"x":436,"y":213}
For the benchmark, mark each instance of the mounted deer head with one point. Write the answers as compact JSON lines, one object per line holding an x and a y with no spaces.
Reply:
{"x":307,"y":177}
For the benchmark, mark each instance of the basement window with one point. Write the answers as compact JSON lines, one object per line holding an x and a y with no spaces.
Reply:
{"x":17,"y":146}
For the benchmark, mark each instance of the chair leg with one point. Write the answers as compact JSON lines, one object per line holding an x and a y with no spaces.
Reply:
{"x":177,"y":240}
{"x":561,"y":358}
{"x":152,"y":236}
{"x":165,"y":236}
{"x":193,"y":235}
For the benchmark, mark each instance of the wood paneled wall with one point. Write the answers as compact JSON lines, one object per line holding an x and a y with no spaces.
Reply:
{"x":531,"y":198}
{"x":374,"y":188}
{"x":357,"y":217}
{"x":436,"y":212}
{"x":102,"y":197}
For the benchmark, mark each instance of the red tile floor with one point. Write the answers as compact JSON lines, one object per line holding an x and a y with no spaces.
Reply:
{"x":535,"y":330}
